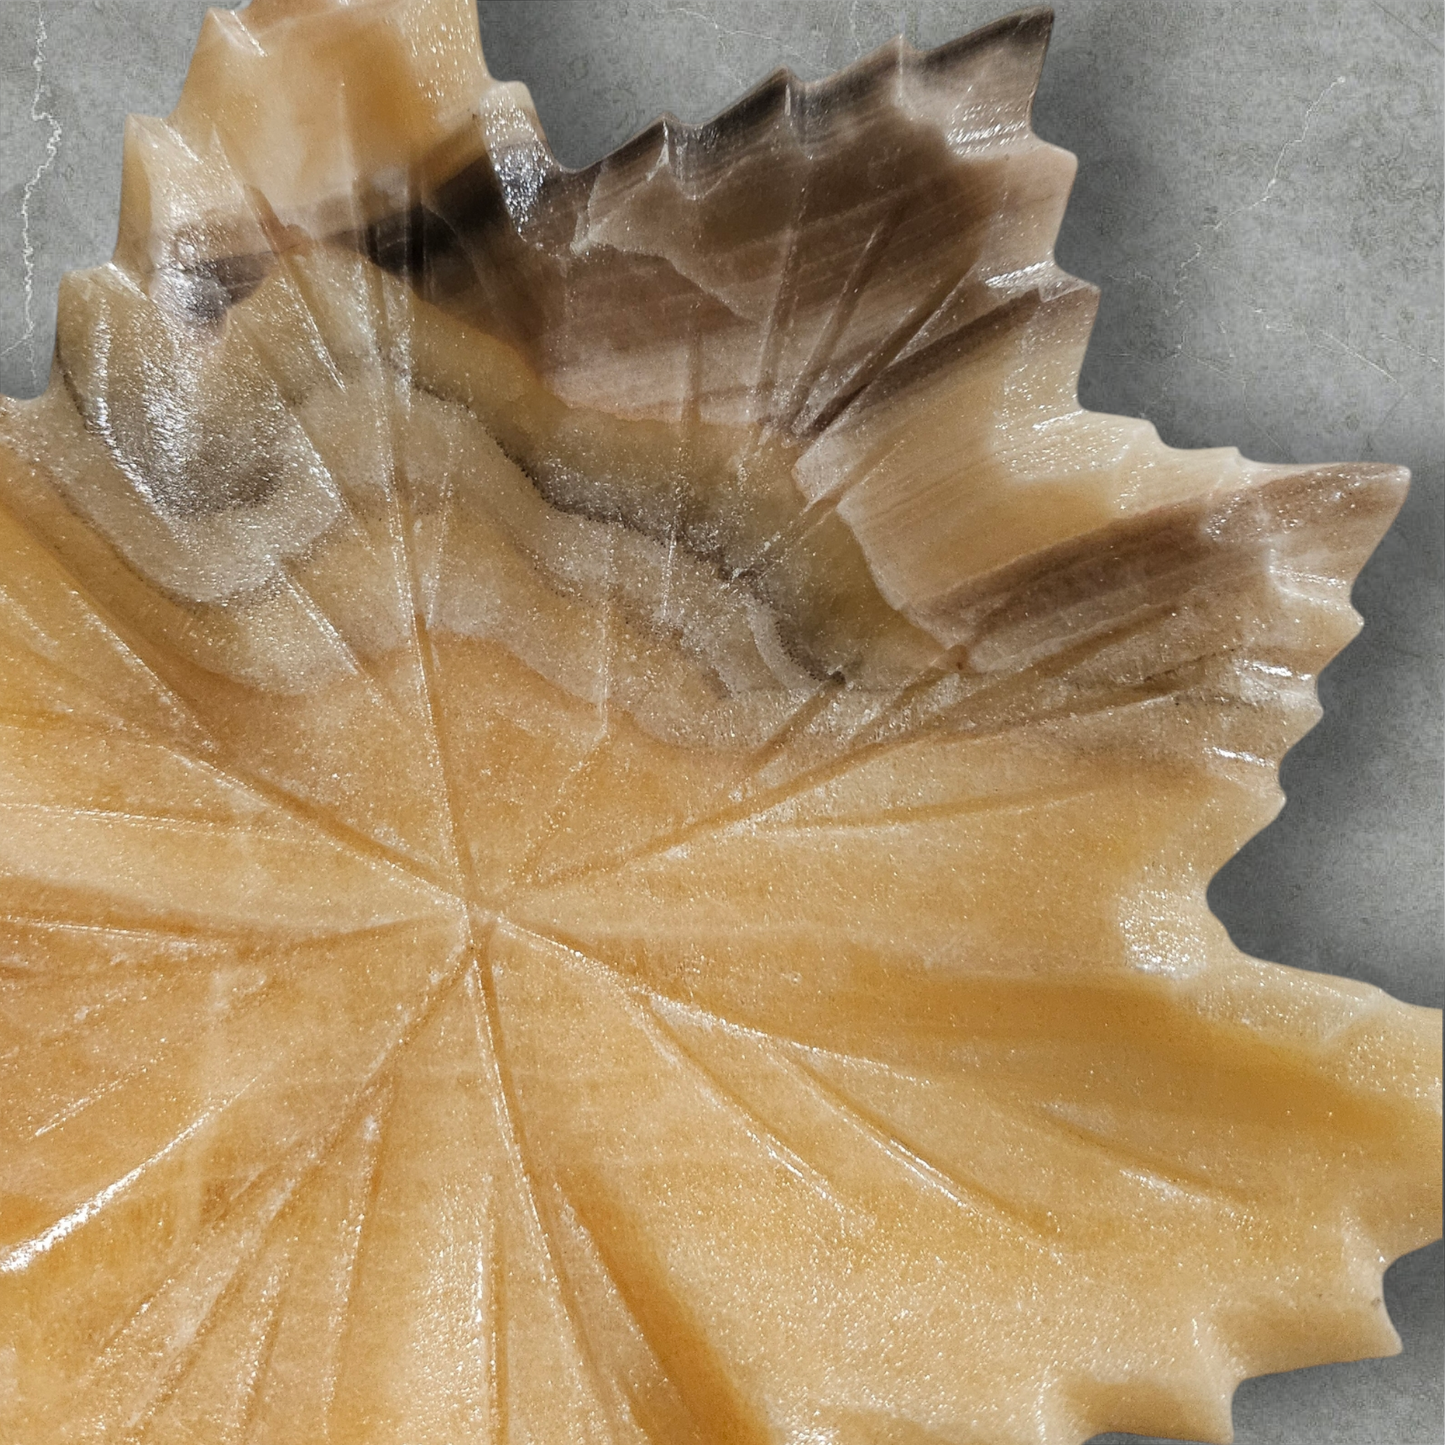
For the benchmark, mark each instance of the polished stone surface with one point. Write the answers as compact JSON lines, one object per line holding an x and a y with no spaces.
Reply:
{"x":1268,"y":266}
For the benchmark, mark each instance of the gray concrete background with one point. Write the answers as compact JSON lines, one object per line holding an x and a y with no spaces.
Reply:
{"x":1259,"y":196}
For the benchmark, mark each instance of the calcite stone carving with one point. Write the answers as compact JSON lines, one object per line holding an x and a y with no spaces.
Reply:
{"x":607,"y":792}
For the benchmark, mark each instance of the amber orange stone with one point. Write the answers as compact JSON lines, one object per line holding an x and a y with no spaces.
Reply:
{"x":608,"y":788}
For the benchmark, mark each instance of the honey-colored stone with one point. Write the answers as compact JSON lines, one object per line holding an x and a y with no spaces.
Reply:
{"x":608,"y":789}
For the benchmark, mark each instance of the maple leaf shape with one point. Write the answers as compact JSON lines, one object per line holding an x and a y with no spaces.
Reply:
{"x":608,"y":791}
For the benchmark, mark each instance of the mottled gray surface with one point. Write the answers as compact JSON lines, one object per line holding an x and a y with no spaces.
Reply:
{"x":1259,"y":195}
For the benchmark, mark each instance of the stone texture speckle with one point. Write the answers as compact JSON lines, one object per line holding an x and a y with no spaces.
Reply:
{"x":1259,"y":195}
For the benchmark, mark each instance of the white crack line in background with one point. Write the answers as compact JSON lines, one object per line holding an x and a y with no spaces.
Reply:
{"x":40,"y":115}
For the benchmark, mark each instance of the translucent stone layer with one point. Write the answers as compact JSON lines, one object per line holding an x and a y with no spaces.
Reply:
{"x":608,"y":789}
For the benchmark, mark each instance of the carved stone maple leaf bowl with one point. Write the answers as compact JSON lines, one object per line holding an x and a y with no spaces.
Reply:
{"x":608,"y":788}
